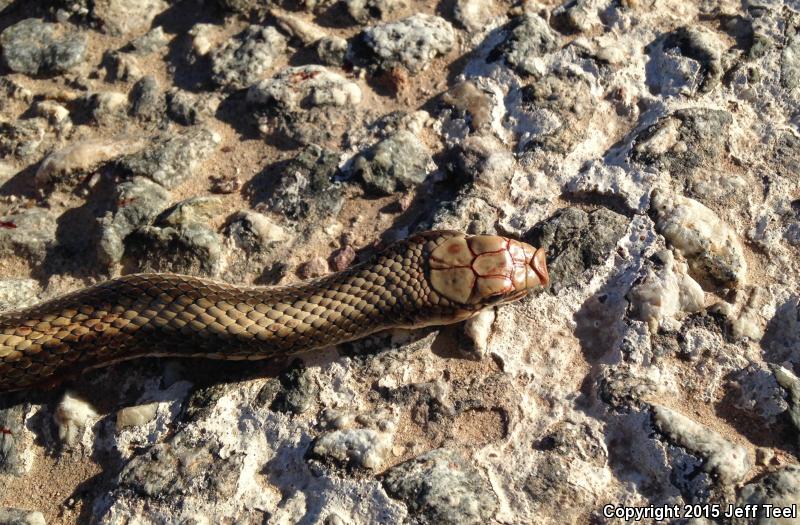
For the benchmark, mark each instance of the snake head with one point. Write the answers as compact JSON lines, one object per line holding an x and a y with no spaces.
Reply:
{"x":483,"y":270}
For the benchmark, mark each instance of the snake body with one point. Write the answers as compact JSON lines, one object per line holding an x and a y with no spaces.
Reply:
{"x":429,"y":278}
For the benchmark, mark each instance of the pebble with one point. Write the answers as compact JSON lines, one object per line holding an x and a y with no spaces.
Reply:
{"x":397,"y":163}
{"x":411,"y":42}
{"x":172,"y":159}
{"x":315,"y":267}
{"x":34,"y":47}
{"x":247,"y":57}
{"x":529,"y":38}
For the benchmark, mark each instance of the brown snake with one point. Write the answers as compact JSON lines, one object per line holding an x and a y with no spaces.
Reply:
{"x":431,"y":278}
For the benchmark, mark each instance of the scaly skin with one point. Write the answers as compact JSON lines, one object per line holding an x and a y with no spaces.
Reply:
{"x":175,"y":315}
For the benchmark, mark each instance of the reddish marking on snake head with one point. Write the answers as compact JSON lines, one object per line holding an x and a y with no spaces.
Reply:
{"x":8,"y":225}
{"x":7,"y":431}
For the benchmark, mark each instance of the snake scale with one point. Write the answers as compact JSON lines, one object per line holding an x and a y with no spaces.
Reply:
{"x":431,"y":278}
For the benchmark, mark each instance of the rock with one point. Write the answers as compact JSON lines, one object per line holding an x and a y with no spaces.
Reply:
{"x":313,"y":268}
{"x":180,"y":467}
{"x":180,"y":241}
{"x":663,"y":296}
{"x":297,"y":390}
{"x":21,"y":517}
{"x":780,"y":488}
{"x":362,"y":447}
{"x":440,"y":487}
{"x":67,"y":166}
{"x":171,"y":159}
{"x":477,"y":331}
{"x":690,"y":145}
{"x":198,"y":210}
{"x":11,"y":91}
{"x":300,"y":30}
{"x":57,"y":115}
{"x":188,"y":108}
{"x":307,"y":190}
{"x":304,"y":105}
{"x":224,"y":184}
{"x":147,"y":100}
{"x":137,"y":203}
{"x":529,"y":38}
{"x":632,"y":186}
{"x":246,"y":57}
{"x":122,"y":67}
{"x":24,"y":138}
{"x":756,"y":390}
{"x":34,"y":47}
{"x":28,"y":233}
{"x":411,"y":42}
{"x":150,"y":42}
{"x":397,"y":163}
{"x":16,"y":293}
{"x":561,"y":106}
{"x":791,"y":383}
{"x":576,"y":16}
{"x":193,"y":249}
{"x":474,"y":15}
{"x":136,"y":416}
{"x":790,"y":62}
{"x":575,"y":241}
{"x":342,"y":258}
{"x":107,"y":107}
{"x":74,"y":418}
{"x":254,"y":232}
{"x":364,"y":11}
{"x":727,"y":461}
{"x":710,"y":246}
{"x":12,"y":439}
{"x":332,"y":50}
{"x":245,"y":7}
{"x":120,"y":17}
{"x":203,"y":37}
{"x":471,"y":103}
{"x":685,"y":61}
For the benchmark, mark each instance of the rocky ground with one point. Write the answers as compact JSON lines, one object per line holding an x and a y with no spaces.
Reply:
{"x":652,"y":146}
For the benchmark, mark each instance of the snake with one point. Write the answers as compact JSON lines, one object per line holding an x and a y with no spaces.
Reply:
{"x":430,"y":278}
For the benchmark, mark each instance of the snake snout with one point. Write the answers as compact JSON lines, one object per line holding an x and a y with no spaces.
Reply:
{"x":539,"y":265}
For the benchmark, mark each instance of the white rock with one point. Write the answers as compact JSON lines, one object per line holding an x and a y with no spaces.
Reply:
{"x":711,"y":247}
{"x":728,"y":460}
{"x":632,"y":185}
{"x":478,"y":329}
{"x":474,"y":15}
{"x":74,"y":417}
{"x":306,"y":32}
{"x":136,"y":416}
{"x":366,"y":447}
{"x":666,"y":294}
